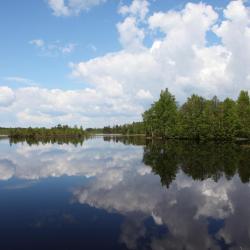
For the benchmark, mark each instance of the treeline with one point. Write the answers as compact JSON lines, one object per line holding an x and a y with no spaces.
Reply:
{"x":60,"y":131}
{"x":199,"y":118}
{"x":132,"y":128}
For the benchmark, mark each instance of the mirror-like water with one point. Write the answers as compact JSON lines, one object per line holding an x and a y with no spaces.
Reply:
{"x":118,"y":193}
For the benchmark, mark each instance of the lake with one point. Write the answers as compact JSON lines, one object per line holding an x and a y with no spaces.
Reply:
{"x":124,"y":193}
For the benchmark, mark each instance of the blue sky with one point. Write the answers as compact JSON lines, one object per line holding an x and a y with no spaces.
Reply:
{"x":78,"y":48}
{"x":22,"y":22}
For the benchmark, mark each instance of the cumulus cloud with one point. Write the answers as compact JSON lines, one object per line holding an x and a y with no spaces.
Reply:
{"x":130,"y":30}
{"x":37,"y":106}
{"x":234,"y":32}
{"x":72,"y":7}
{"x":182,"y":57}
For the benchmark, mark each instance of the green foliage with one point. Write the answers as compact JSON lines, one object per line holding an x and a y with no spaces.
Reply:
{"x":192,"y":117}
{"x":161,"y":118}
{"x":33,"y":134}
{"x":4,"y":131}
{"x":230,"y":121}
{"x":243,"y":112}
{"x":135,"y":128}
{"x":199,"y":118}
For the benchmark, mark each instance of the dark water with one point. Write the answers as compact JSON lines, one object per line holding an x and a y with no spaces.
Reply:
{"x":124,"y":194}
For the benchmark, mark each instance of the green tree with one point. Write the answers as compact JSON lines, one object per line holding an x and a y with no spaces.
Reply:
{"x":161,"y":118}
{"x":230,"y":119}
{"x":243,"y":111}
{"x":191,"y":117}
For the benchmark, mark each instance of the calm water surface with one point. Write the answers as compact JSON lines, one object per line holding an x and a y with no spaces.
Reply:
{"x":124,"y":194}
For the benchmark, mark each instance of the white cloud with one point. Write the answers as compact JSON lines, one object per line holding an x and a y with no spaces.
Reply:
{"x":197,"y":18}
{"x":7,"y":97}
{"x":234,"y":32}
{"x":131,"y":37}
{"x":142,"y":94}
{"x":21,"y":80}
{"x":130,"y":29}
{"x":37,"y":42}
{"x":72,"y":7}
{"x":35,"y":106}
{"x":138,"y":8}
{"x":58,"y":7}
{"x":54,"y":48}
{"x":68,"y":48}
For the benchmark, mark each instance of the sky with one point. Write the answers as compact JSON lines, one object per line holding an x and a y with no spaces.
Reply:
{"x":103,"y":62}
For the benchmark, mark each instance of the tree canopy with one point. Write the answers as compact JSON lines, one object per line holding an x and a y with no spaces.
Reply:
{"x":199,"y":118}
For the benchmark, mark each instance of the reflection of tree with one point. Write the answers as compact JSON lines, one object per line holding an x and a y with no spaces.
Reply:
{"x":127,"y":140}
{"x":200,"y":161}
{"x":163,"y":158}
{"x":244,"y":164}
{"x":59,"y":140}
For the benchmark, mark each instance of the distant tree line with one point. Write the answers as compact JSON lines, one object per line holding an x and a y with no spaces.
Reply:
{"x":132,"y":128}
{"x":126,"y":129}
{"x":33,"y":134}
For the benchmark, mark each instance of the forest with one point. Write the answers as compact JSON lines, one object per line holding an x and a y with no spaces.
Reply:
{"x":197,"y":119}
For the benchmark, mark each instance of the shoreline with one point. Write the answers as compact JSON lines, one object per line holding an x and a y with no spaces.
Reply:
{"x":146,"y":137}
{"x":235,"y":140}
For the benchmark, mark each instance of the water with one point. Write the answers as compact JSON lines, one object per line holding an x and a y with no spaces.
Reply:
{"x":117,"y":193}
